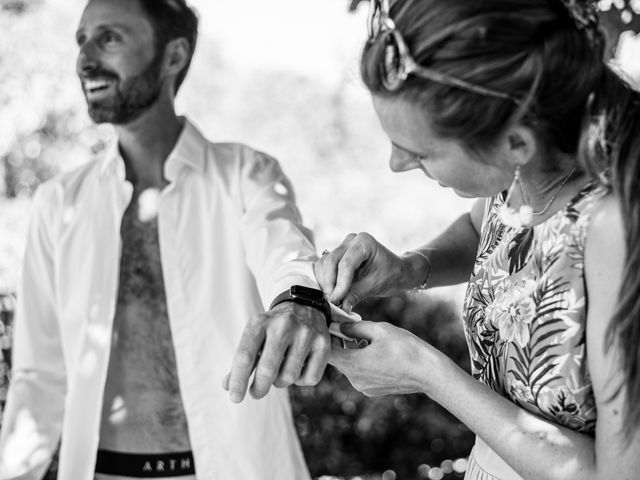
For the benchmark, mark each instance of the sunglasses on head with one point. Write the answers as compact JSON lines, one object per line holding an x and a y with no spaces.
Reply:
{"x":398,"y":62}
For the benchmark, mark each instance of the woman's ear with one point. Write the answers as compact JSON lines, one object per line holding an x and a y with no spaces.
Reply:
{"x":520,"y":144}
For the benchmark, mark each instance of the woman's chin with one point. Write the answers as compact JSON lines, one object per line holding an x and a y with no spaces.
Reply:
{"x":462,"y":194}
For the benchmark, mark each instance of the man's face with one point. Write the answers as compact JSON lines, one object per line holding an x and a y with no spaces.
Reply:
{"x":118,"y":65}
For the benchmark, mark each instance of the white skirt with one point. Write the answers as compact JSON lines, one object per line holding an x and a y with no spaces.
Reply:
{"x":485,"y":464}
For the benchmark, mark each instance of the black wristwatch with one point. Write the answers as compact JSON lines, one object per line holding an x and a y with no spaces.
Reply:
{"x":305,"y":296}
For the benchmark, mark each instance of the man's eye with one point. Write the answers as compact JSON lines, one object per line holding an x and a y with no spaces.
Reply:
{"x":110,"y":37}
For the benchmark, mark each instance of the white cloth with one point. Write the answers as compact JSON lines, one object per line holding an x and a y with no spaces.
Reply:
{"x":486,"y":464}
{"x":231,"y":240}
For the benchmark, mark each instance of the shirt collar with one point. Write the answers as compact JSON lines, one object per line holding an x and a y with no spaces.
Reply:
{"x":188,"y":152}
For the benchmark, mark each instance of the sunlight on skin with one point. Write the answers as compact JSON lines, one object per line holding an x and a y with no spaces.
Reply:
{"x":148,"y":204}
{"x":118,"y":412}
{"x":25,"y":434}
{"x":549,"y":434}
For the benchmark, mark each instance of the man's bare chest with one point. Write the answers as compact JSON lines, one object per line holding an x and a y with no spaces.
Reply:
{"x":142,"y":377}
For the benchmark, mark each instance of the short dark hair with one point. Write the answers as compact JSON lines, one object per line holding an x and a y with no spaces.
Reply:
{"x":173,"y":19}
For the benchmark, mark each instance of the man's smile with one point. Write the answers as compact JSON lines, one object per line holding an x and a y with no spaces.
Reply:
{"x":97,"y":88}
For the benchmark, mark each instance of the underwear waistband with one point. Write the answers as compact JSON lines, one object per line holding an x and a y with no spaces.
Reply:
{"x":145,"y":465}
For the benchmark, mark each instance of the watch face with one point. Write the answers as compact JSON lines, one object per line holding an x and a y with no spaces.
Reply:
{"x":306,"y":292}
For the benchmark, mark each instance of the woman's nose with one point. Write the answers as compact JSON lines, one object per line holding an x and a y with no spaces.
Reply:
{"x":401,"y":161}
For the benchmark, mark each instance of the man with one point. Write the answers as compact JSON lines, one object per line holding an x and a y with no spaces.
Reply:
{"x":142,"y":270}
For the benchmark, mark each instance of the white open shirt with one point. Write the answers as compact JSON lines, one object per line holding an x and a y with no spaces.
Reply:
{"x":231,"y":240}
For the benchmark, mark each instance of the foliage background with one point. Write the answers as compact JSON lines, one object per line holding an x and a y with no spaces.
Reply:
{"x":282,"y":77}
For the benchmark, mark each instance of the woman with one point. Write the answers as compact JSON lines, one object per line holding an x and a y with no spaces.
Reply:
{"x":510,"y":102}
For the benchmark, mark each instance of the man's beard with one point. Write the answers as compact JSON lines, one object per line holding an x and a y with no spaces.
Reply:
{"x":132,"y":97}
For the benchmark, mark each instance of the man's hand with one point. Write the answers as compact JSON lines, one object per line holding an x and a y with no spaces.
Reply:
{"x":286,"y":345}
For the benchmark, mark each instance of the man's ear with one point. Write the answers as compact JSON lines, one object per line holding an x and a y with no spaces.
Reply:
{"x":520,"y":144}
{"x":176,"y":56}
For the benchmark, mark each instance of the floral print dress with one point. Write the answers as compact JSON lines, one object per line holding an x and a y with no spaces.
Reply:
{"x":525,"y":313}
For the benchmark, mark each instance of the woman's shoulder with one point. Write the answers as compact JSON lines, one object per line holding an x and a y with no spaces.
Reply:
{"x":605,"y":235}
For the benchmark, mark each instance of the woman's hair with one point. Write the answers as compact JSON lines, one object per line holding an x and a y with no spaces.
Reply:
{"x":534,"y":51}
{"x":173,"y":19}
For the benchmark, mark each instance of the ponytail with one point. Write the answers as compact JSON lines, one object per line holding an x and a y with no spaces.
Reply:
{"x":610,"y":147}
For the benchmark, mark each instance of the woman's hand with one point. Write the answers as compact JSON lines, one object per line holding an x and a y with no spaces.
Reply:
{"x":360,"y":267}
{"x":394,"y":362}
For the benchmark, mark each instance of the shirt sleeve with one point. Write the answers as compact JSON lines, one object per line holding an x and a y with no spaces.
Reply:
{"x":279,"y":249}
{"x":32,"y":420}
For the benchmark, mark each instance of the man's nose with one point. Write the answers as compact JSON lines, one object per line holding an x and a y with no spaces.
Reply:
{"x":87,"y":61}
{"x":401,"y":161}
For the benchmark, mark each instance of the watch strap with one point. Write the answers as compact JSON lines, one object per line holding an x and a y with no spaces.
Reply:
{"x":297,"y":294}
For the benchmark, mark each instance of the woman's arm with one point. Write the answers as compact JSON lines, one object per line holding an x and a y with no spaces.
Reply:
{"x":361,"y":267}
{"x":452,"y":254}
{"x":533,"y":447}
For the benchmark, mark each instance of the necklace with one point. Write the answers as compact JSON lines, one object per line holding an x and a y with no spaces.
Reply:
{"x":524,"y":215}
{"x":553,"y":197}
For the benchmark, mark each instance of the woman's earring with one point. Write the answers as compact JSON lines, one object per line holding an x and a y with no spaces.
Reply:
{"x":509,"y":215}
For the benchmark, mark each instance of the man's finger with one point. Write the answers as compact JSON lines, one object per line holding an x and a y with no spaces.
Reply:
{"x":244,"y":360}
{"x":316,"y":362}
{"x":225,"y":382}
{"x":294,"y":360}
{"x":268,"y":366}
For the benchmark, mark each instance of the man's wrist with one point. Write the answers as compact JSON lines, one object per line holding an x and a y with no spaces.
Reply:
{"x":306,"y":296}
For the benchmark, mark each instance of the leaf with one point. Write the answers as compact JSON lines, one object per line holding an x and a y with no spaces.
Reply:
{"x":521,"y":367}
{"x":537,"y":377}
{"x":550,"y":333}
{"x":542,"y":350}
{"x":543,"y":384}
{"x":519,"y":250}
{"x":518,"y":375}
{"x":477,"y":365}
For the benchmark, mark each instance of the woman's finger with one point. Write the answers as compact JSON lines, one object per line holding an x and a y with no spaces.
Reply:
{"x":352,"y":259}
{"x":326,"y":268}
{"x":364,"y":330}
{"x":351,"y":300}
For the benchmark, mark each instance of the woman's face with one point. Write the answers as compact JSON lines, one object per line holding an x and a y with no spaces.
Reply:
{"x":415,"y":145}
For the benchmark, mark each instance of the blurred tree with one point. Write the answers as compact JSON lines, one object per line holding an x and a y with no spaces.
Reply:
{"x":18,"y":6}
{"x":39,"y":96}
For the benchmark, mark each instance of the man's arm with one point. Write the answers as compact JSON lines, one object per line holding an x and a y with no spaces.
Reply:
{"x":289,"y":343}
{"x":35,"y":403}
